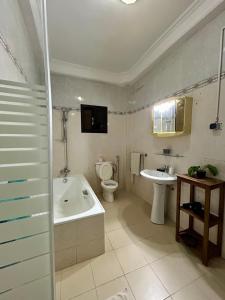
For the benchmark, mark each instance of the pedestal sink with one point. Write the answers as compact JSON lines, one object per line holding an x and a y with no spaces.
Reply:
{"x":160,"y":180}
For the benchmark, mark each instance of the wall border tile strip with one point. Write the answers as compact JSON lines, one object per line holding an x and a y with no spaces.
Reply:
{"x":183,"y":91}
{"x":9,"y":51}
{"x":178,"y":93}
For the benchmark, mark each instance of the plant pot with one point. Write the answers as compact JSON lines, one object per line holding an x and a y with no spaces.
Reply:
{"x":201,"y":174}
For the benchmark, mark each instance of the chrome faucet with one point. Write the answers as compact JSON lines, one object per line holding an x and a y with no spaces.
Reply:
{"x":65,"y":172}
{"x":166,"y":167}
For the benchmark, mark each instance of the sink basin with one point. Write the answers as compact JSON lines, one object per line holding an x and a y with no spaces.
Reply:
{"x":160,"y":180}
{"x":159,"y":177}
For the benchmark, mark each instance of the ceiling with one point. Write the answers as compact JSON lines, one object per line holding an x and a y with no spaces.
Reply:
{"x":106,"y":37}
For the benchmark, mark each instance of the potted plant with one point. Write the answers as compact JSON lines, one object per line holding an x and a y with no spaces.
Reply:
{"x":200,"y":172}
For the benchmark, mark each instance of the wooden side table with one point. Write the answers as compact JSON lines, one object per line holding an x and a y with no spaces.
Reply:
{"x":206,"y":248}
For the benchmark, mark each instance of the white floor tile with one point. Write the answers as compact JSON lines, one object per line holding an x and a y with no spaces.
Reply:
{"x":130,"y":258}
{"x":58,"y":285}
{"x":76,"y":280}
{"x":111,"y":288}
{"x":204,"y":288}
{"x":175,"y":271}
{"x":112,"y":220}
{"x":105,"y":268}
{"x":155,"y":249}
{"x":145,"y":285}
{"x":108,"y":245}
{"x":91,"y":295}
{"x":119,"y":238}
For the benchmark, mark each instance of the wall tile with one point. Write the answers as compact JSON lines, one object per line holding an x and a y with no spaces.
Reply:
{"x":90,"y":249}
{"x":65,"y":258}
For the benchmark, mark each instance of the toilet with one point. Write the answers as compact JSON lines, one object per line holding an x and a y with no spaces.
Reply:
{"x":104,"y":170}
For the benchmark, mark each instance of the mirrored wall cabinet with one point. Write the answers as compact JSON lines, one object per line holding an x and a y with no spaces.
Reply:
{"x":172,"y":117}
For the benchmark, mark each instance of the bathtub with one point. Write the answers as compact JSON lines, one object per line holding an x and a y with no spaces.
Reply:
{"x":78,"y":222}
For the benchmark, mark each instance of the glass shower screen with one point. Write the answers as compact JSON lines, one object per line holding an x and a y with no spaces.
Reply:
{"x":26,"y":262}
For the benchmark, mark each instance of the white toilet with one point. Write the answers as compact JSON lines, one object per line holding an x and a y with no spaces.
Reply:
{"x":104,"y":170}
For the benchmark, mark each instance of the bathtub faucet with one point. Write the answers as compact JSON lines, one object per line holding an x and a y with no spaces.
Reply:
{"x":65,"y":172}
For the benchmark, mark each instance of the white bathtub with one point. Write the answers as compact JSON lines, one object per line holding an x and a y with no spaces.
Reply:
{"x":74,"y":200}
{"x":79,"y":222}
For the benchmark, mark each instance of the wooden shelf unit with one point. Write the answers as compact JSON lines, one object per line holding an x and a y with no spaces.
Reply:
{"x":206,"y":248}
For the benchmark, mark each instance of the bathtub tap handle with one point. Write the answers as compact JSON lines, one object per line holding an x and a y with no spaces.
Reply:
{"x":65,"y":172}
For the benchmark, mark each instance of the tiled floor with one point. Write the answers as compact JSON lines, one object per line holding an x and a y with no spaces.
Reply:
{"x":142,"y":257}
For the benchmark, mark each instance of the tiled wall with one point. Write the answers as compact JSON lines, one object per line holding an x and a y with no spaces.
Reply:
{"x":78,"y":241}
{"x":193,"y":60}
{"x":22,"y":42}
{"x":86,"y":148}
{"x":66,"y":89}
{"x":202,"y":146}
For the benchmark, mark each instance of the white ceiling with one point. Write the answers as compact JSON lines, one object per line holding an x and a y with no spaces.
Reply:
{"x":108,"y":36}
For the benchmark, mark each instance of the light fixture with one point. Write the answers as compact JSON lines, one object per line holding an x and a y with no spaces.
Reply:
{"x":129,"y":1}
{"x":79,"y":98}
{"x":132,"y":102}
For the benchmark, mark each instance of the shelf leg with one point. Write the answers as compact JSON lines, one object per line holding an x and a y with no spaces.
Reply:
{"x":220,"y":223}
{"x":192,"y":199}
{"x":205,"y":249}
{"x":178,"y":209}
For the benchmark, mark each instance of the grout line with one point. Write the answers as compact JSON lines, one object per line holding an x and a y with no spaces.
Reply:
{"x":112,"y":251}
{"x":186,"y":285}
{"x":202,"y":275}
{"x":130,"y":287}
{"x":92,"y":273}
{"x":159,"y":280}
{"x":73,"y":297}
{"x":60,"y":281}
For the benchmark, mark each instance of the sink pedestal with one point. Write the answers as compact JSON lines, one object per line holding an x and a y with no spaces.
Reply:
{"x":160,"y":181}
{"x":158,"y":205}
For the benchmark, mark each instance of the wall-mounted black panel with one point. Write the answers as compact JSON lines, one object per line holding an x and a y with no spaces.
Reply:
{"x":94,"y":118}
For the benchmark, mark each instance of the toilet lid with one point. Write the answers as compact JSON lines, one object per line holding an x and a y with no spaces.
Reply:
{"x":105,"y":171}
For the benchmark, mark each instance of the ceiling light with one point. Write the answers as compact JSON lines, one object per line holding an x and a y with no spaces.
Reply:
{"x":132,"y":102}
{"x":129,"y":1}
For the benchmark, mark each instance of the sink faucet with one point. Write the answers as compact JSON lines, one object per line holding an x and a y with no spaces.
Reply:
{"x":166,"y":167}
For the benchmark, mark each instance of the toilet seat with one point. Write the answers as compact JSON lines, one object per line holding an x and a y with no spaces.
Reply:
{"x":109,"y":184}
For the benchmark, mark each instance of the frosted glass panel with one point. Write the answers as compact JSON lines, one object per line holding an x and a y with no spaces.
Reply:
{"x":25,"y":169}
{"x":24,"y":197}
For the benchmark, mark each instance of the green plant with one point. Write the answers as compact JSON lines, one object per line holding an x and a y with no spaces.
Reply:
{"x":192,"y":171}
{"x":212,"y":169}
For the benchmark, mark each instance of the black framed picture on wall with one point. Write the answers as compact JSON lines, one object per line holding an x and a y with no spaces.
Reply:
{"x":94,"y":119}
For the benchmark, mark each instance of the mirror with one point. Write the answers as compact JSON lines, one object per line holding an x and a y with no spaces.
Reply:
{"x":172,"y":117}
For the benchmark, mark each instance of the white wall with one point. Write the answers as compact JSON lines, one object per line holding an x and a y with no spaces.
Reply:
{"x":17,"y":36}
{"x":86,"y":148}
{"x":197,"y":58}
{"x":201,"y":147}
{"x":65,"y":89}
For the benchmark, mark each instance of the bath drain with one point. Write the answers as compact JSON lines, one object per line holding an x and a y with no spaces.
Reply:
{"x":66,"y":200}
